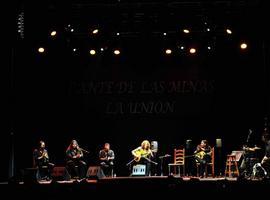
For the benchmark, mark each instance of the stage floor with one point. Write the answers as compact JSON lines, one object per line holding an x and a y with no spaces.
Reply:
{"x":115,"y":179}
{"x":118,"y":187}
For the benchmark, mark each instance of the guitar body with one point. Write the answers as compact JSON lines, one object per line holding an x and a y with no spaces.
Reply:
{"x":137,"y":159}
{"x":139,"y":154}
{"x":143,"y":154}
{"x":200,"y":154}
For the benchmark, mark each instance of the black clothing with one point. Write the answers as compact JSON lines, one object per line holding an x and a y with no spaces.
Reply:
{"x":41,"y":162}
{"x":106,"y":158}
{"x":75,"y":166}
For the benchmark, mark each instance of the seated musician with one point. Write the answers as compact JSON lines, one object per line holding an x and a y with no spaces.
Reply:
{"x":143,"y":155}
{"x":250,"y":156}
{"x":75,"y":164}
{"x":266,"y":159}
{"x":41,"y":161}
{"x":203,"y":156}
{"x":106,"y":157}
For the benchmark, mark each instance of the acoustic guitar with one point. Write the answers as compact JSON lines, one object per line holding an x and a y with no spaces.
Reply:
{"x":142,"y":155}
{"x":200,"y":154}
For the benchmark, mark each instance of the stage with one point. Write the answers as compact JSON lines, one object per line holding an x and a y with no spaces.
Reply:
{"x":129,"y":187}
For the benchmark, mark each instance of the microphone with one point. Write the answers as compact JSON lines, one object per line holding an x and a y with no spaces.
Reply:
{"x":249,"y":134}
{"x":165,"y":156}
{"x":85,"y":151}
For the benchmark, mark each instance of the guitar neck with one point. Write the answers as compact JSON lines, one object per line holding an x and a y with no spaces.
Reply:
{"x":150,"y":160}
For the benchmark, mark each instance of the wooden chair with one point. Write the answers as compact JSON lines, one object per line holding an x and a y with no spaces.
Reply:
{"x":179,"y":160}
{"x":211,"y":164}
{"x":41,"y":171}
{"x":231,"y":168}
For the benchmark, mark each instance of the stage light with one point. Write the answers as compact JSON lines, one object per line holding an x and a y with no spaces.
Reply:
{"x":182,"y":47}
{"x":41,"y":50}
{"x":69,"y":28}
{"x":164,"y":34}
{"x":117,"y":33}
{"x":101,"y":49}
{"x":74,"y":49}
{"x":168,"y":51}
{"x":186,"y":31}
{"x":229,"y":31}
{"x":53,"y":33}
{"x":209,"y":48}
{"x":92,"y":52}
{"x":208,"y":30}
{"x":116,"y":52}
{"x":95,"y":31}
{"x":243,"y":46}
{"x":192,"y":50}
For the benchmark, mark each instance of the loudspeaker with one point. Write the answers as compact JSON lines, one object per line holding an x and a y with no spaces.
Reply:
{"x":139,"y":170}
{"x":30,"y":175}
{"x":95,"y":172}
{"x":60,"y":174}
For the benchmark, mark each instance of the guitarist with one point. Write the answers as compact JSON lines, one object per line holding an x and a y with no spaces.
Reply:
{"x":143,"y":155}
{"x":203,"y":156}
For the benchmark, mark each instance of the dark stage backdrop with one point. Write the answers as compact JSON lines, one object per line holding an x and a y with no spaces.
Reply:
{"x":135,"y":96}
{"x":140,"y":94}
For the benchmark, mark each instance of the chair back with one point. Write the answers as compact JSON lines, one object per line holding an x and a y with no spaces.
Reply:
{"x":179,"y":156}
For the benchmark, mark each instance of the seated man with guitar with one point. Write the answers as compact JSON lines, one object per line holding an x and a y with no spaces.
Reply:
{"x":203,"y":156}
{"x":143,"y":155}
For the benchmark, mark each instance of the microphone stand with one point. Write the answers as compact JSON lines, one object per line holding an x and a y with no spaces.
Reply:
{"x":161,"y":163}
{"x":248,"y":137}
